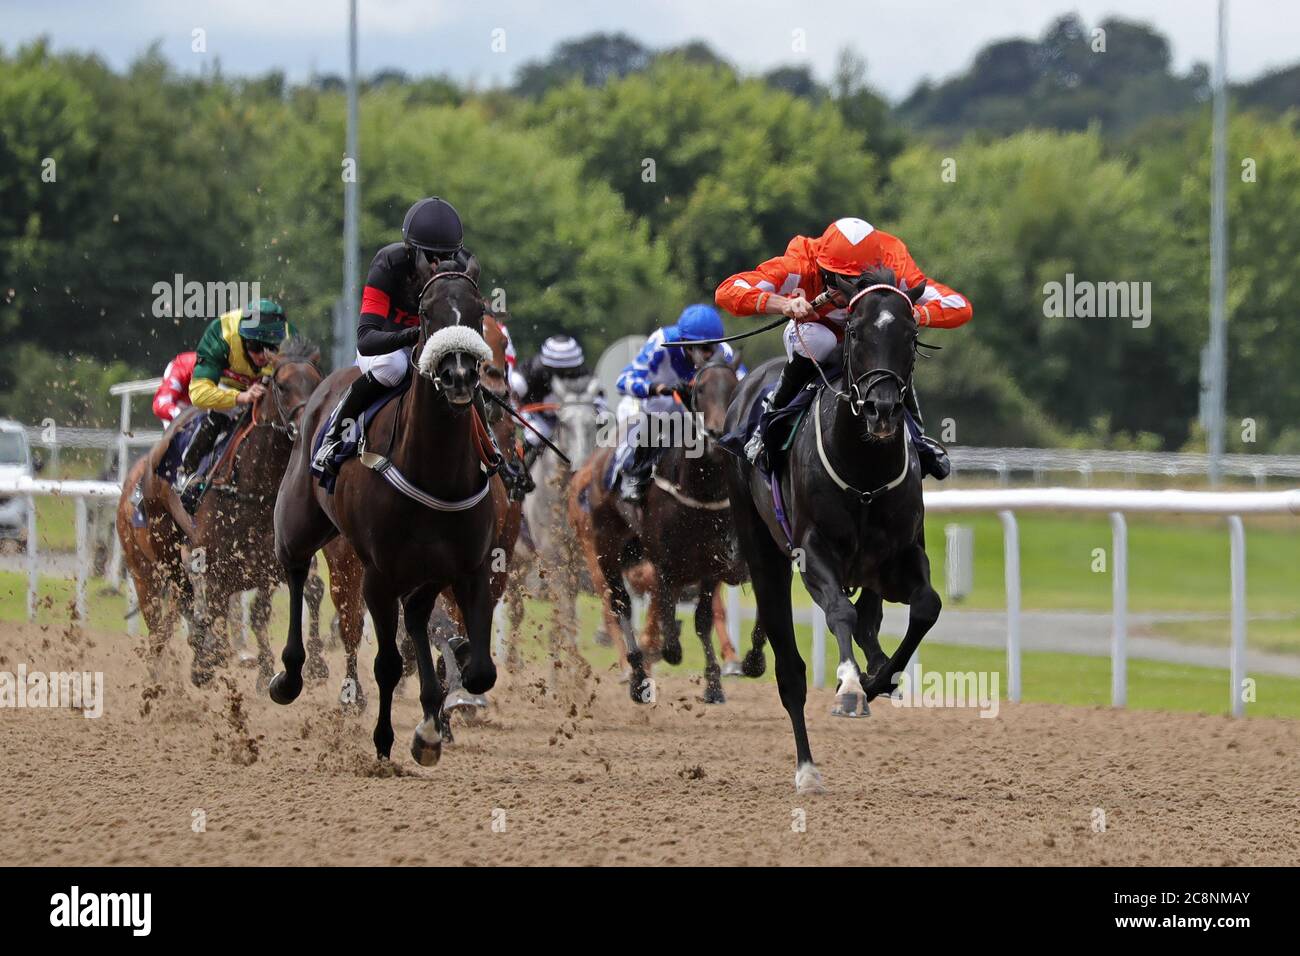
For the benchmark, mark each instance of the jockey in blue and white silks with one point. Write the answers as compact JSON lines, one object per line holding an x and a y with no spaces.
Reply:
{"x":652,"y":377}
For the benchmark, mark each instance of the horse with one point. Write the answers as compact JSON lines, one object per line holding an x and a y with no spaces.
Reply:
{"x":346,"y":570}
{"x":226,"y":547}
{"x":419,"y":516}
{"x":684,"y":530}
{"x":850,"y":492}
{"x":549,"y":547}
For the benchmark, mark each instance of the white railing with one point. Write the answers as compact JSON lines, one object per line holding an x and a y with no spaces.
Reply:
{"x":1003,"y":503}
{"x":1087,"y":462}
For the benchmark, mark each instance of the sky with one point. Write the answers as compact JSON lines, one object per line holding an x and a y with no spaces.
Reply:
{"x":904,"y":41}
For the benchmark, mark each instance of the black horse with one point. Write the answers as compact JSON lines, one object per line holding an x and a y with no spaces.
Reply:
{"x":853,"y":515}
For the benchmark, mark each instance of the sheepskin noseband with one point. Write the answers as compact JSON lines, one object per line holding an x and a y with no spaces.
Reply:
{"x":454,"y":338}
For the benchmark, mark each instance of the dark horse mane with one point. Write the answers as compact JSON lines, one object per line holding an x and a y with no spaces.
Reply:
{"x":297,"y":348}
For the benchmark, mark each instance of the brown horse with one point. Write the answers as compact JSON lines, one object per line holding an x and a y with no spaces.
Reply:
{"x":226,"y":547}
{"x":684,"y":530}
{"x":415,"y":507}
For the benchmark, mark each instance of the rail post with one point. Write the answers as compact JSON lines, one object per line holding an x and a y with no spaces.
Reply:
{"x":1237,"y":655}
{"x":818,"y":645}
{"x":1119,"y":610}
{"x":83,"y":556}
{"x":31,"y":557}
{"x":1011,"y":573}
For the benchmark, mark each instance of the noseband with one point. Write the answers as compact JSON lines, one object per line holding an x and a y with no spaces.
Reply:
{"x":857,"y":392}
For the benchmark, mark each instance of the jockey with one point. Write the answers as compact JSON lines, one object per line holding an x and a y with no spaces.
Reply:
{"x":655,"y":375}
{"x":389,"y":323}
{"x":173,"y":395}
{"x":530,"y":382}
{"x":235,"y":351}
{"x":788,"y":284}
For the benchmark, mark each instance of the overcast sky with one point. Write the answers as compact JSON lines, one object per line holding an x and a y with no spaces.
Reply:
{"x":904,"y":40}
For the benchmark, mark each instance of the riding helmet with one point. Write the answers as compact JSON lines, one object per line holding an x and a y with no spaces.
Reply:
{"x":433,"y":226}
{"x":699,"y":321}
{"x":843,"y":247}
{"x":263,"y":321}
{"x":562,"y":351}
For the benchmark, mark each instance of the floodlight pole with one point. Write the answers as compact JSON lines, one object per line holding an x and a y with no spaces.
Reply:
{"x":1216,"y":356}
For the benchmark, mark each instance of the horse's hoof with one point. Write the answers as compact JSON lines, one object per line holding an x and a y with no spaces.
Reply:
{"x":352,"y":698}
{"x":283,"y":690}
{"x":672,"y":652}
{"x":479,"y":679}
{"x":642,"y":689}
{"x":444,"y":731}
{"x":808,"y":779}
{"x":732,"y":669}
{"x":852,"y":704}
{"x":713,"y":695}
{"x":755,"y":664}
{"x":457,"y":699}
{"x":426,"y":754}
{"x":316,"y":670}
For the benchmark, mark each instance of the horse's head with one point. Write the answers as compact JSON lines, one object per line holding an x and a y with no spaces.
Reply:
{"x":451,"y":342}
{"x":879,"y":348}
{"x":711,"y":391}
{"x":295,"y":375}
{"x":576,"y":417}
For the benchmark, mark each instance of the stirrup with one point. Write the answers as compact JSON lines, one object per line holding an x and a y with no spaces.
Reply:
{"x":324,"y":460}
{"x":754,"y":447}
{"x":633,"y":490}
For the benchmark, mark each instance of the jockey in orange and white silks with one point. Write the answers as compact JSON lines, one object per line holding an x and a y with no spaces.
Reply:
{"x":788,"y":284}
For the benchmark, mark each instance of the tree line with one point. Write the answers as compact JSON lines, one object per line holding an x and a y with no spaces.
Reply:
{"x":614,"y":184}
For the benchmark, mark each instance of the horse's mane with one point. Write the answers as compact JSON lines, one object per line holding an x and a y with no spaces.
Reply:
{"x":297,"y":348}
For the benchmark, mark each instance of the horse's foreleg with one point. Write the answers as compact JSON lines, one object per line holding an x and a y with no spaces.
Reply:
{"x":841,"y":618}
{"x":620,"y":603}
{"x":287,"y":685}
{"x":474,"y":597}
{"x":261,"y":615}
{"x":704,"y":629}
{"x":314,"y":591}
{"x":867,"y":632}
{"x":664,"y":610}
{"x":426,"y":745}
{"x":345,"y":592}
{"x":924,"y":607}
{"x":388,"y":660}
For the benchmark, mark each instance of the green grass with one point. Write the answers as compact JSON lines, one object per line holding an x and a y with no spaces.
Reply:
{"x":1069,"y":679}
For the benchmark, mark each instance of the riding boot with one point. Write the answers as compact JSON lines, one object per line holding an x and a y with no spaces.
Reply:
{"x":797,"y":373}
{"x":518,"y":481}
{"x":636,"y":474}
{"x":188,"y":483}
{"x":359,"y":396}
{"x":933,"y":456}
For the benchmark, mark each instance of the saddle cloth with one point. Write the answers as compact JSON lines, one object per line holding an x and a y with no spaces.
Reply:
{"x":170,"y":465}
{"x":347,"y":449}
{"x":781,"y":429}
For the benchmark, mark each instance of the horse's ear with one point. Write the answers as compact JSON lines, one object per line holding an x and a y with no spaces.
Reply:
{"x":735,"y":360}
{"x":916,"y":291}
{"x":472,"y":268}
{"x":848,"y":287}
{"x":422,"y":269}
{"x":314,"y":358}
{"x":557,"y":386}
{"x":593,"y":388}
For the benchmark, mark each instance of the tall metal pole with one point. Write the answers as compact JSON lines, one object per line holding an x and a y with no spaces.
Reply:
{"x":1217,"y":353}
{"x":347,"y":345}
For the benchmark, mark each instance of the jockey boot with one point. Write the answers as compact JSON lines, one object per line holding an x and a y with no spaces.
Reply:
{"x":933,"y":456}
{"x":517,"y":480}
{"x":636,"y":474}
{"x":797,"y":373}
{"x":206,"y":436}
{"x":355,"y":400}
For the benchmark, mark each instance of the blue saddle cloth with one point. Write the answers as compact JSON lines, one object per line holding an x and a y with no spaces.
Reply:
{"x":783,"y":426}
{"x":170,"y":465}
{"x":348,"y":449}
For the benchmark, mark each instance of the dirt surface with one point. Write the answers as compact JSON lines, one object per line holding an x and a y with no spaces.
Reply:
{"x":175,"y":775}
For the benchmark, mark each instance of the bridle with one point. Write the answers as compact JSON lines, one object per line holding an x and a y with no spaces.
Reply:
{"x":857,"y":391}
{"x":287,"y":424}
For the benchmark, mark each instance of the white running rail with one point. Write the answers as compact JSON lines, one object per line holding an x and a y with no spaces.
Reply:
{"x":1004,"y":503}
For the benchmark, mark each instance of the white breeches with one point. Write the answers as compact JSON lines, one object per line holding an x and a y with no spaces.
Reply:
{"x":812,"y":340}
{"x":388,"y":369}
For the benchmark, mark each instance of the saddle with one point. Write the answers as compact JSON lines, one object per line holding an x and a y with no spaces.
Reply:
{"x":169,"y":467}
{"x":351,"y":448}
{"x":781,"y":429}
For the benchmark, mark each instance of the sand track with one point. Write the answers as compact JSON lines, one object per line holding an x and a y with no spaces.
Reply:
{"x":597,"y":780}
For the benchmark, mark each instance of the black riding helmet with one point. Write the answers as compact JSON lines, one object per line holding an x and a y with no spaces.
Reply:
{"x":433,"y":226}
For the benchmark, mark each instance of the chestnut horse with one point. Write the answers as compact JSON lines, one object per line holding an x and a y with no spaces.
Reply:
{"x":416,"y":508}
{"x":226,"y":547}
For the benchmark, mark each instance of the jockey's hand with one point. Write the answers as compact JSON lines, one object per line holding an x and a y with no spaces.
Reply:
{"x":659,"y":388}
{"x":797,"y":307}
{"x":254,"y":392}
